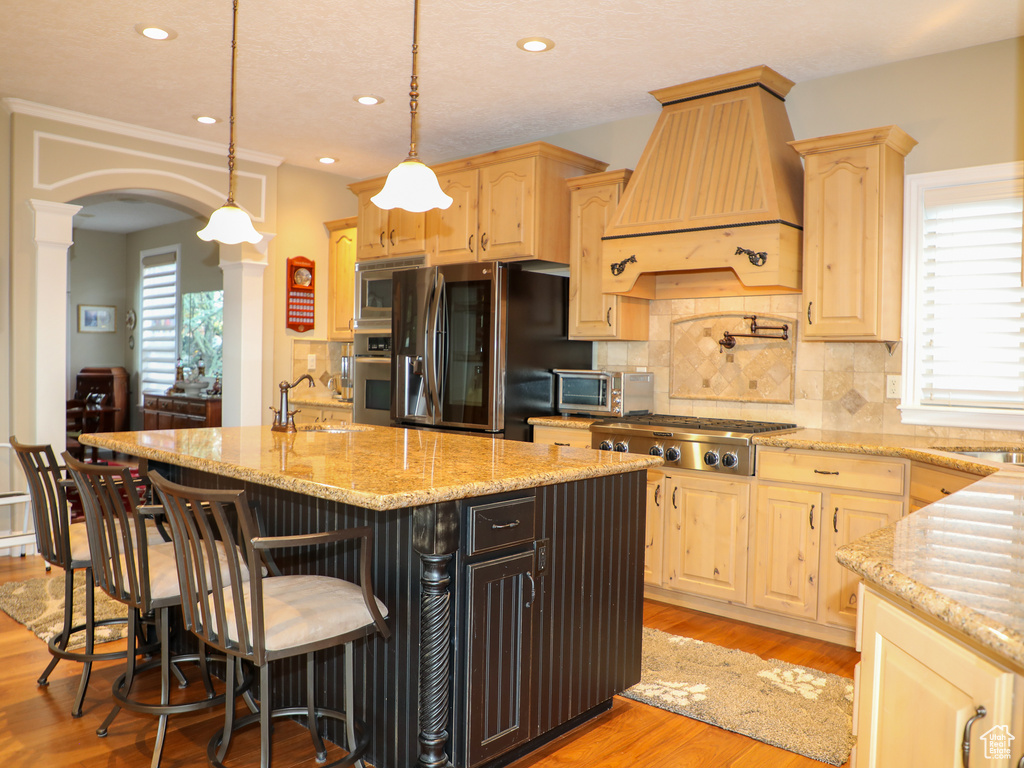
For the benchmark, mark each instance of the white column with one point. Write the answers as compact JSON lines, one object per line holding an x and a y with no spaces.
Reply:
{"x":242,"y":381}
{"x":51,"y":229}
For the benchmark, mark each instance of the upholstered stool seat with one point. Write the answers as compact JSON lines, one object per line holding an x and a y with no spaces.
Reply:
{"x":270,"y":616}
{"x":144,"y":576}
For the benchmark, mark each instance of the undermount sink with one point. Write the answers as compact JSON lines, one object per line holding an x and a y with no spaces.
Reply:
{"x":1005,"y":457}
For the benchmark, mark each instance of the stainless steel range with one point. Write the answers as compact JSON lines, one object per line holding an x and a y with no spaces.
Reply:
{"x":686,"y":442}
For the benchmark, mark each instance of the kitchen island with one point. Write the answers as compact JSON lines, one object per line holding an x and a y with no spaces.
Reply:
{"x":512,"y":573}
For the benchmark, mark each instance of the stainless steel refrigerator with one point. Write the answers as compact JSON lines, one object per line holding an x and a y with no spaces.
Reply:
{"x":474,"y":347}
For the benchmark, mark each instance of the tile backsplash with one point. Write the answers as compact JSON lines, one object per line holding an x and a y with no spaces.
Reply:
{"x":328,"y":360}
{"x":836,"y":385}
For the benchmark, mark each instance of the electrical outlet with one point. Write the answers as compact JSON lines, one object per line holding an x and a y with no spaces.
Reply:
{"x":311,"y":362}
{"x":892,"y":386}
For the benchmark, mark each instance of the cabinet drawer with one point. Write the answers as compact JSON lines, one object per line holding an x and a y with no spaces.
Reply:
{"x":832,"y":470}
{"x":576,"y":438}
{"x":930,"y":483}
{"x":501,"y":524}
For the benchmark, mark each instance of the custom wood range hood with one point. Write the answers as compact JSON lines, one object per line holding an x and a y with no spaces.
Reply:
{"x":715,"y":207}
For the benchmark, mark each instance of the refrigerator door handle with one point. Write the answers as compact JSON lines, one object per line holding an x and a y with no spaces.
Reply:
{"x":432,"y":348}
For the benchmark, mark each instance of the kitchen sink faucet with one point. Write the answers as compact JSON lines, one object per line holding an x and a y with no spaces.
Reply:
{"x":284,"y":418}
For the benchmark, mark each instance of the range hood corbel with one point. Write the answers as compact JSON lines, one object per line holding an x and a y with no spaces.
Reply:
{"x":715,"y":206}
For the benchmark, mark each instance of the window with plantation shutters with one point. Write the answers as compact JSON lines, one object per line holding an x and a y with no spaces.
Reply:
{"x":964,"y":318}
{"x":158,"y":321}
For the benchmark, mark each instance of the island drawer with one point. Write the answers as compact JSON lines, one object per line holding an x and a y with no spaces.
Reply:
{"x":833,"y":470}
{"x":501,"y":524}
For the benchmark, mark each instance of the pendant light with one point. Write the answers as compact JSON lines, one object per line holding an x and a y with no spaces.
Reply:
{"x":229,"y":224}
{"x":411,"y":185}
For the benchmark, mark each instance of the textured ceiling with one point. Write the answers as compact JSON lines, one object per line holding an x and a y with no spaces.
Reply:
{"x":301,"y":62}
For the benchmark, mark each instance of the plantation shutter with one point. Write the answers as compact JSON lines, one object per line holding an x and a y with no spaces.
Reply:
{"x":159,"y":322}
{"x":970,"y":301}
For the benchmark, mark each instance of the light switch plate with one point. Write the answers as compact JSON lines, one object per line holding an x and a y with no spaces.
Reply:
{"x":892,"y":386}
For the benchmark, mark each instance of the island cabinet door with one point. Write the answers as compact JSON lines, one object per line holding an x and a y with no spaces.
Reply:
{"x":500,"y":619}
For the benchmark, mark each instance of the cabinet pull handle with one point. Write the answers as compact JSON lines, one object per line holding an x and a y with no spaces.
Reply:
{"x":565,"y":444}
{"x":657,"y":495}
{"x":483,"y":242}
{"x":499,"y":526}
{"x":391,"y":237}
{"x":944,"y":492}
{"x":608,"y":317}
{"x":382,"y":238}
{"x":835,"y":520}
{"x":824,"y":472}
{"x":351,"y":321}
{"x":810,"y":517}
{"x":471,"y":243}
{"x":533,"y":589}
{"x":965,"y":746}
{"x":809,"y":321}
{"x":674,"y":506}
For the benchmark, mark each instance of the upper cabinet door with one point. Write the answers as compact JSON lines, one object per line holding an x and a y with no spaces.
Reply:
{"x":373,"y":228}
{"x":454,"y":228}
{"x":507,"y":210}
{"x":407,"y":233}
{"x":341,"y":295}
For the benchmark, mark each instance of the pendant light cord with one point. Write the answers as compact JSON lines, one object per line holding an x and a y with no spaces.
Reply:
{"x":231,"y":111}
{"x":414,"y":93}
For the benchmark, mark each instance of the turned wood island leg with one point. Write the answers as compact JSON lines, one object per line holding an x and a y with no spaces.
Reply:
{"x":435,"y":539}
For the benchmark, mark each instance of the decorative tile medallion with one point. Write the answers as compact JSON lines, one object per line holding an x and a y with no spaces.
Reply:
{"x":756,"y":370}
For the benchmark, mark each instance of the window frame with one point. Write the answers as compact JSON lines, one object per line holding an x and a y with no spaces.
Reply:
{"x":143,"y":255}
{"x":912,"y":411}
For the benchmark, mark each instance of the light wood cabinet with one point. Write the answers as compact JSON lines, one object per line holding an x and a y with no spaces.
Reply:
{"x":929,"y":483}
{"x":808,"y":504}
{"x":919,"y":686}
{"x":593,"y":314}
{"x":705,"y":542}
{"x":654,"y":530}
{"x":853,"y":234}
{"x":508,"y":205}
{"x":341,"y":278}
{"x":566,"y":436}
{"x":383,"y":233}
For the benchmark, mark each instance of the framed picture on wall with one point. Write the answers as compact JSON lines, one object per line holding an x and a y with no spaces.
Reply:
{"x":94,"y":318}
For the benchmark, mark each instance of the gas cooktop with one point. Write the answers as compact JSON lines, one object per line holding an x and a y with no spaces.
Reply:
{"x":686,"y":442}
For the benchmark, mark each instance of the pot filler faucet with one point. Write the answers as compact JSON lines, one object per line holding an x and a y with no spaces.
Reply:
{"x":284,"y":418}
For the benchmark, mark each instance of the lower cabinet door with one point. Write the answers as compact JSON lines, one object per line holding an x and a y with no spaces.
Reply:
{"x":500,"y":616}
{"x":706,"y":536}
{"x":788,"y":535}
{"x":655,"y":529}
{"x":918,"y":690}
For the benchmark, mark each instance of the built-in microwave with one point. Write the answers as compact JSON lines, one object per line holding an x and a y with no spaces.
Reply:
{"x":371,"y":378}
{"x":373,"y":291}
{"x":604,"y":393}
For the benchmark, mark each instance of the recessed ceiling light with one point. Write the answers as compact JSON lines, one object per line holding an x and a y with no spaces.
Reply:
{"x":206,"y":119}
{"x":327,"y":160}
{"x":368,"y":100}
{"x":536,"y":44}
{"x":153,"y":32}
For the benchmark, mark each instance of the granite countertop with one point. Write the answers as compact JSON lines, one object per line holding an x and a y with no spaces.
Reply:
{"x":569,"y":422}
{"x":319,"y":400}
{"x":957,"y":560}
{"x":379,"y":468}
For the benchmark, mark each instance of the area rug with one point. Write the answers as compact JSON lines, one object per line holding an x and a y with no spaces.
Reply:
{"x":39,"y":605}
{"x":796,"y":708}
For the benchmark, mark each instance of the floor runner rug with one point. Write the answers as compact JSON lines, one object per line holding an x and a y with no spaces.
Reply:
{"x":796,"y":708}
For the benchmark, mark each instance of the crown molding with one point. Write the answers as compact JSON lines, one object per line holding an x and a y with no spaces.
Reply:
{"x":23,"y":107}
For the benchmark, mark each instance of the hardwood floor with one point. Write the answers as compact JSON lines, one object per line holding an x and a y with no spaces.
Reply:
{"x":36,"y":727}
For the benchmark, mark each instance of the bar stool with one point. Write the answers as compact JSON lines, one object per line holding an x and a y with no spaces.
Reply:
{"x":66,"y":546}
{"x":144,"y":577}
{"x":269,"y":617}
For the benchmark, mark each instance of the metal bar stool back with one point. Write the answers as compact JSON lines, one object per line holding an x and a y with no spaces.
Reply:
{"x":66,"y":546}
{"x":143,"y":575}
{"x":269,"y":617}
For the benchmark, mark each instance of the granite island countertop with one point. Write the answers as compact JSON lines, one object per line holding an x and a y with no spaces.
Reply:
{"x":379,"y":468}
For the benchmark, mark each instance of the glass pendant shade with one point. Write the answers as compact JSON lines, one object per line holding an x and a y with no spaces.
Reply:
{"x":230,"y":225}
{"x":413,"y":187}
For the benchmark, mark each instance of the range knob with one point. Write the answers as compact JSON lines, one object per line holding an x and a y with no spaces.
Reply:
{"x":622,"y":447}
{"x":730,"y":460}
{"x":606,"y":445}
{"x":657,"y":450}
{"x":711,"y":458}
{"x":672,"y":454}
